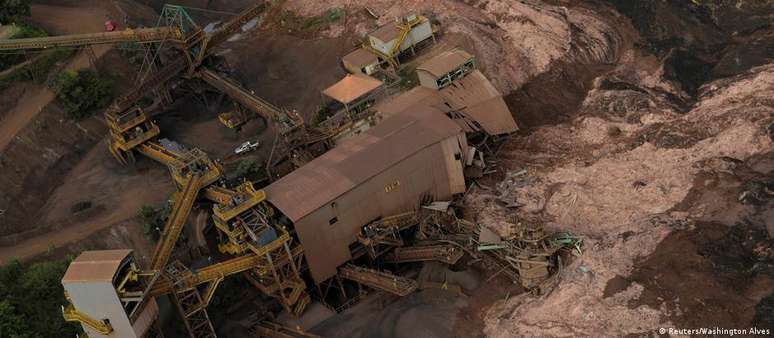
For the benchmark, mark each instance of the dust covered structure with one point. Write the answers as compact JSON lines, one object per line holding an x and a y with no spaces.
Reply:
{"x":414,"y":155}
{"x":94,"y":284}
{"x":450,"y":82}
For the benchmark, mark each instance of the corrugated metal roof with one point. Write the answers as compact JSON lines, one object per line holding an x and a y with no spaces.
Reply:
{"x":356,"y":160}
{"x":360,"y":57}
{"x":445,"y":62}
{"x":352,"y":87}
{"x":473,"y":95}
{"x":482,"y":102}
{"x":386,"y":33}
{"x":414,"y":96}
{"x":93,"y":266}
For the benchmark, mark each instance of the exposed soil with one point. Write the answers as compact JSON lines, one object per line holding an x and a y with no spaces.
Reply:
{"x":646,"y":130}
{"x":52,"y":163}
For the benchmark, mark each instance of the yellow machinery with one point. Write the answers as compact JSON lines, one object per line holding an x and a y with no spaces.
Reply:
{"x":182,"y":205}
{"x":127,"y":131}
{"x":247,"y":223}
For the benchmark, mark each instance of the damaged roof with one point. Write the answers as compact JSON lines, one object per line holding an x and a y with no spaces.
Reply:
{"x":351,"y":87}
{"x":356,"y":160}
{"x":91,"y":266}
{"x":445,"y":62}
{"x":473,"y":96}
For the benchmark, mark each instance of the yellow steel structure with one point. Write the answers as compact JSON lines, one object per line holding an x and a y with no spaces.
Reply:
{"x":380,"y":280}
{"x":71,"y":314}
{"x":127,"y":131}
{"x":404,"y":27}
{"x":245,"y":220}
{"x":448,"y":254}
{"x":274,"y":330}
{"x":139,"y":35}
{"x":174,"y":225}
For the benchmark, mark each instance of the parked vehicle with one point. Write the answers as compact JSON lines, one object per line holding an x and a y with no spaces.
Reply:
{"x":247,"y":147}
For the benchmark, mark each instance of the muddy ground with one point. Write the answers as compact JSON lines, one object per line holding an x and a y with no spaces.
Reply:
{"x":646,"y":128}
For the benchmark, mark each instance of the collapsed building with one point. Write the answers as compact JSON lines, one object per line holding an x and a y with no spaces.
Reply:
{"x":360,"y":198}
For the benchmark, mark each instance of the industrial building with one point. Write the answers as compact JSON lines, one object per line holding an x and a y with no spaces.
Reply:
{"x":386,"y":44}
{"x":351,"y":95}
{"x":93,"y":283}
{"x":451,"y":83}
{"x":358,"y":186}
{"x":383,"y":172}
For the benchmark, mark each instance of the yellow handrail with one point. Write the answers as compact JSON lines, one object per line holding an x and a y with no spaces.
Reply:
{"x":71,"y":314}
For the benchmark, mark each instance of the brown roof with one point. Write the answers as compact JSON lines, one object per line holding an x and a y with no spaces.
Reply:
{"x":415,"y":96}
{"x":351,"y":87}
{"x":92,"y":266}
{"x":474,"y":95}
{"x":356,"y":160}
{"x":482,"y":102}
{"x":445,"y":62}
{"x":386,"y":33}
{"x":360,"y":57}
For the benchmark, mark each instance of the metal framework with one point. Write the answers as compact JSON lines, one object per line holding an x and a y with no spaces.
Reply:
{"x":448,"y":254}
{"x":380,"y":280}
{"x":140,"y":35}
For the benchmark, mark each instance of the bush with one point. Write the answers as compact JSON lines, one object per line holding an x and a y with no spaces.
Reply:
{"x":82,"y":92}
{"x":32,"y":296}
{"x":12,"y":9}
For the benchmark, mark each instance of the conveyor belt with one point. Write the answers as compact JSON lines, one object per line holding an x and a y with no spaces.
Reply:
{"x":180,"y":210}
{"x":397,"y":285}
{"x":141,"y":35}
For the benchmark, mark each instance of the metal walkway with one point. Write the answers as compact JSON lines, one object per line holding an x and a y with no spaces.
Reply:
{"x":385,"y":281}
{"x":181,"y":208}
{"x":141,"y":35}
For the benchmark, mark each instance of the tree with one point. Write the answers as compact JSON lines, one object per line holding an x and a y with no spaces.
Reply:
{"x":82,"y":92}
{"x":12,"y":323}
{"x":11,"y":9}
{"x":32,"y":297}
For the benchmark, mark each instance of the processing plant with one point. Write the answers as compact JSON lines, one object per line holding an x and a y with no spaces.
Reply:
{"x":369,"y":189}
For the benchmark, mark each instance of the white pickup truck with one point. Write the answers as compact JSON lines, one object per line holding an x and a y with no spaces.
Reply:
{"x":247,"y":147}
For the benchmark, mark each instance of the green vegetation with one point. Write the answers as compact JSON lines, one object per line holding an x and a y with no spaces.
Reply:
{"x":81,"y":93}
{"x":20,"y":31}
{"x":40,"y":64}
{"x":13,"y":9}
{"x":30,"y":300}
{"x":323,"y":113}
{"x":153,"y":220}
{"x":408,"y":77}
{"x":249,"y":168}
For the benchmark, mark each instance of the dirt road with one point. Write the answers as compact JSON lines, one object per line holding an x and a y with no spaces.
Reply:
{"x":91,"y":179}
{"x":57,"y":20}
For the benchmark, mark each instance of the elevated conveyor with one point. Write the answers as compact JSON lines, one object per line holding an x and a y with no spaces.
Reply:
{"x":181,"y":208}
{"x":385,"y":281}
{"x":286,"y":121}
{"x":176,"y":66}
{"x":160,"y":154}
{"x":140,"y":35}
{"x":213,"y":272}
{"x":448,"y":254}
